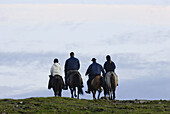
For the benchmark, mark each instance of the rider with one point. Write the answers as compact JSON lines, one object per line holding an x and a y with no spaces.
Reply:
{"x":71,"y":64}
{"x":93,"y":70}
{"x":55,"y":71}
{"x":109,"y":65}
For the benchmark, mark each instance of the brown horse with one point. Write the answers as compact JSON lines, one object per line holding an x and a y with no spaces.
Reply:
{"x":73,"y":81}
{"x":57,"y":85}
{"x":111,"y":82}
{"x":96,"y":86}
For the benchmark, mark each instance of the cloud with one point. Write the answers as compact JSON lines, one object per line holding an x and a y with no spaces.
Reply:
{"x":140,"y":35}
{"x":35,"y":28}
{"x":151,"y":2}
{"x":126,"y":14}
{"x":133,"y":71}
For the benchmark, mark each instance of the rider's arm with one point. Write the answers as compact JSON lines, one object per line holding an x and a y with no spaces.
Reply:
{"x":78,"y":65}
{"x":88,"y":70}
{"x":51,"y":71}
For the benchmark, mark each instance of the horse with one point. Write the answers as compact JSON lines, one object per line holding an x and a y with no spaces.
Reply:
{"x":111,"y":82}
{"x":57,"y":85}
{"x":74,"y":81}
{"x":96,"y":85}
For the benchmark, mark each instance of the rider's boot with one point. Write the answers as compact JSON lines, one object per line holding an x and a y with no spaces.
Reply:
{"x":88,"y":91}
{"x":50,"y":82}
{"x":82,"y":84}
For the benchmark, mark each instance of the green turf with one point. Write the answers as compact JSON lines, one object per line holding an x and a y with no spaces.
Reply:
{"x":62,"y":105}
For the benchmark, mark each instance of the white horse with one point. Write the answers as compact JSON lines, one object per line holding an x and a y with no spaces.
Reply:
{"x":111,"y":82}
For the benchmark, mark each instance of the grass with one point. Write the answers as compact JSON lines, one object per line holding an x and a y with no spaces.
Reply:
{"x":62,"y":105}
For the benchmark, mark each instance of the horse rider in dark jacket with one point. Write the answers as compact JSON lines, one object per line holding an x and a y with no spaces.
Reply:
{"x":93,"y":70}
{"x":71,"y":64}
{"x":109,"y":65}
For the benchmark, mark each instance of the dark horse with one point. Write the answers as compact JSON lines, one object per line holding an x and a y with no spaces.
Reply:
{"x":57,"y":85}
{"x":96,"y":85}
{"x":73,"y":81}
{"x":111,"y":82}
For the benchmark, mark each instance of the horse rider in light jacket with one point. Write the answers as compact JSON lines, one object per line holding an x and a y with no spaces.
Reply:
{"x":93,"y":70}
{"x":55,"y":71}
{"x":71,"y":64}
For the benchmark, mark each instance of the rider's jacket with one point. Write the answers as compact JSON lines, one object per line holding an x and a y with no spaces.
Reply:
{"x":94,"y":69}
{"x":55,"y":69}
{"x":109,"y":66}
{"x":72,"y":64}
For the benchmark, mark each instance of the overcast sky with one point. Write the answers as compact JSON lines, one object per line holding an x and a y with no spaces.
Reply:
{"x":136,"y":2}
{"x":135,"y":34}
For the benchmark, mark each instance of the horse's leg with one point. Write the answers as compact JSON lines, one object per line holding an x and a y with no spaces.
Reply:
{"x":111,"y":95}
{"x":94,"y":92}
{"x":71,"y":93}
{"x":113,"y":92}
{"x":99,"y":94}
{"x":74,"y":92}
{"x":59,"y":94}
{"x":114,"y":95}
{"x":55,"y":94}
{"x":78,"y":92}
{"x":104,"y":92}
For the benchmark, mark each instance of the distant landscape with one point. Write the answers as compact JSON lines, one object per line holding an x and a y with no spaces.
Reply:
{"x":72,"y":105}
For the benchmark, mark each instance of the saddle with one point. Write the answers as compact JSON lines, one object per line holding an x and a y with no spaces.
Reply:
{"x":72,"y":72}
{"x":57,"y":76}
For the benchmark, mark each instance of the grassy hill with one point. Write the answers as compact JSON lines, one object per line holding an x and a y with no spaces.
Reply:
{"x":69,"y":105}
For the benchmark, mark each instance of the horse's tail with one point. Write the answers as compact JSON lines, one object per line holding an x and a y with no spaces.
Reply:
{"x":78,"y":81}
{"x":56,"y":80}
{"x":113,"y":81}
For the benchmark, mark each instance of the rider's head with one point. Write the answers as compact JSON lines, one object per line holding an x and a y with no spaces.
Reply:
{"x":72,"y":54}
{"x":93,"y":59}
{"x":108,"y":58}
{"x":55,"y":60}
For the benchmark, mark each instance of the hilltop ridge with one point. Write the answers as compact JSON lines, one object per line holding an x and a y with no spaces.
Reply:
{"x":72,"y":105}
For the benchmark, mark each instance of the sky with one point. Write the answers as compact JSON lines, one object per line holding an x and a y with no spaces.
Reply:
{"x":135,"y":33}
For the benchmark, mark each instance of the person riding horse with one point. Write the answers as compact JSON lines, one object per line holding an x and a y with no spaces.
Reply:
{"x":55,"y":71}
{"x":93,"y":70}
{"x":71,"y":64}
{"x":109,"y":66}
